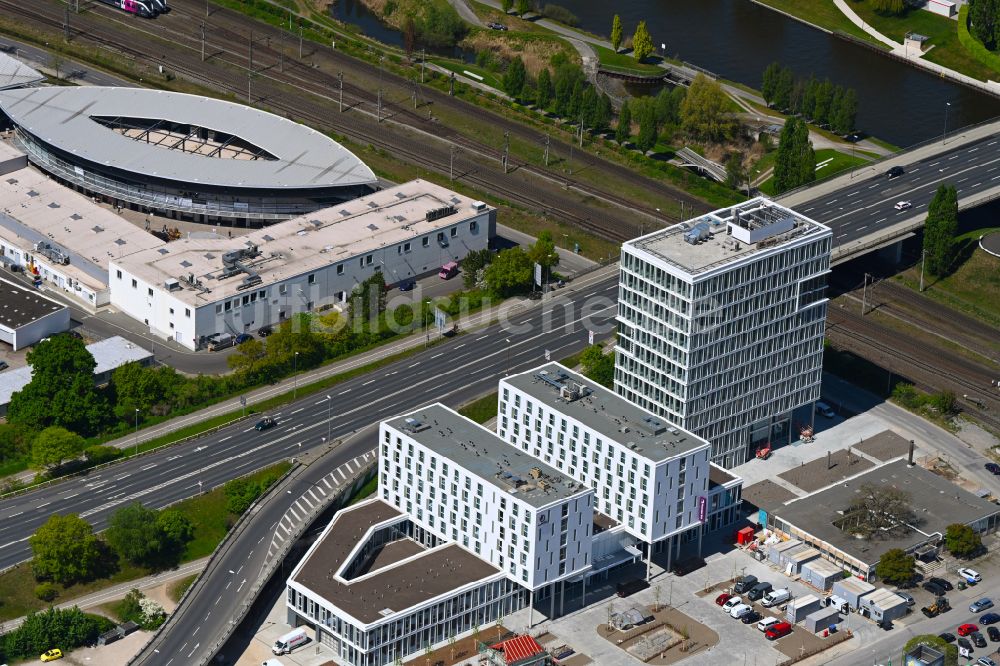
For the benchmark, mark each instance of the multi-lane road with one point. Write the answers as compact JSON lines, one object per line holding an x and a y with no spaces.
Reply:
{"x":452,"y":372}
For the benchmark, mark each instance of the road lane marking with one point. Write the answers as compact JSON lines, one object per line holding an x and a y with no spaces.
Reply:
{"x":69,"y":496}
{"x":437,"y":355}
{"x":936,"y":163}
{"x":862,"y":228}
{"x":874,"y":186}
{"x":43,"y":505}
{"x":414,"y":365}
{"x":841,"y":235}
{"x":459,"y":346}
{"x":217,"y":600}
{"x":151,"y":466}
{"x":972,"y":150}
{"x":482,"y":337}
{"x":343,"y":392}
{"x":977,"y":184}
{"x":953,"y":157}
{"x":297,"y":411}
{"x":225,"y":438}
{"x":852,"y":194}
{"x":882,"y":220}
{"x":172,"y":458}
{"x":195,"y":633}
{"x":321,"y":401}
{"x":962,"y":180}
{"x":193,"y":649}
{"x":370,"y":381}
{"x":807,"y":210}
{"x":390,"y":374}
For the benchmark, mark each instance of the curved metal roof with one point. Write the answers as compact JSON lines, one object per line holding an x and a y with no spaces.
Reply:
{"x":63,"y":118}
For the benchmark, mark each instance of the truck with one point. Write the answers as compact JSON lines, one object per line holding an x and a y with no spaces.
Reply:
{"x":939,"y":606}
{"x":288,"y":642}
{"x":223,"y":341}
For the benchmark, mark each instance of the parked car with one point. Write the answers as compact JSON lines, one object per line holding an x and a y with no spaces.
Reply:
{"x":758,"y":591}
{"x":903,"y":205}
{"x":989,"y":618}
{"x":739,"y":610}
{"x":970,"y":575}
{"x":942,"y":582}
{"x":753,"y":616}
{"x":985,"y":661}
{"x":3,"y":365}
{"x":934,"y":588}
{"x":966,"y":629}
{"x":265,"y":331}
{"x":895,"y":172}
{"x":265,"y":423}
{"x":775,"y":597}
{"x":407,"y":285}
{"x":52,"y":655}
{"x":992,"y":468}
{"x":722,"y":599}
{"x":777,"y":631}
{"x":222,"y":341}
{"x":824,"y":409}
{"x":767,"y":623}
{"x":979,"y":605}
{"x":947,"y":637}
{"x":243,"y":337}
{"x":631,"y":587}
{"x":907,"y":597}
{"x":994,"y":634}
{"x":684,"y":567}
{"x":744,"y":584}
{"x":731,"y":603}
{"x":977,"y":639}
{"x":496,"y":26}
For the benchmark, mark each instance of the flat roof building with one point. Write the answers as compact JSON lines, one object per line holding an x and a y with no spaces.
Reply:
{"x":26,"y":316}
{"x":721,"y":323}
{"x":183,"y":156}
{"x":194,"y":289}
{"x":818,"y":518}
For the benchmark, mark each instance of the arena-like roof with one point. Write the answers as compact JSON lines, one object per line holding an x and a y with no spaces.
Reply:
{"x":14,"y":73}
{"x":183,"y":138}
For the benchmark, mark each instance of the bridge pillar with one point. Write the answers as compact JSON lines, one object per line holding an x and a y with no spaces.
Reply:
{"x":893,"y":253}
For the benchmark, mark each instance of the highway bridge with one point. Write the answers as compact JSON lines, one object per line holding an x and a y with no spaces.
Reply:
{"x":860,"y":205}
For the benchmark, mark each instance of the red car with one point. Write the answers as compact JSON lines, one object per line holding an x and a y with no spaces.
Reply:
{"x":778,"y":630}
{"x":967,"y":629}
{"x":724,"y":597}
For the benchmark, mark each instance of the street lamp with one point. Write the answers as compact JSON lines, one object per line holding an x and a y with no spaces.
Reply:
{"x":944,"y":137}
{"x":295,"y":376}
{"x":136,"y":431}
{"x":507,"y":372}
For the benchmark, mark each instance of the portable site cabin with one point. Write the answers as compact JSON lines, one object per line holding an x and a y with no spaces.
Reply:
{"x":792,"y":561}
{"x":775,"y":551}
{"x":799,"y":608}
{"x":883,"y":605}
{"x":822,"y":619}
{"x":821,"y":574}
{"x":852,"y":590}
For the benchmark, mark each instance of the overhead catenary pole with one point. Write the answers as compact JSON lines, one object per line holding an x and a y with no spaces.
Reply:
{"x":546,"y":150}
{"x":505,"y":156}
{"x":300,"y":39}
{"x":378,"y":110}
{"x":923,"y":260}
{"x":250,"y":50}
{"x":423,"y":59}
{"x":340,"y":78}
{"x":451,"y":162}
{"x":66,"y":23}
{"x":203,"y":41}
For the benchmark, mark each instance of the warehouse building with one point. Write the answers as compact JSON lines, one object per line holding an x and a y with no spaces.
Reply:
{"x":817,"y":519}
{"x":195,"y":289}
{"x":721,"y":322}
{"x":26,"y":316}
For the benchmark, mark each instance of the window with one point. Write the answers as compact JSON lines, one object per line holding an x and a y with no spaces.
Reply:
{"x":149,"y":290}
{"x":283,"y":289}
{"x":454,"y":231}
{"x":171,"y":310}
{"x":135,"y":284}
{"x":171,"y":324}
{"x":218,"y":308}
{"x":406,"y":247}
{"x":262,"y":294}
{"x":119,"y":274}
{"x":425,"y":241}
{"x":311,"y":279}
{"x":187,"y":312}
{"x":368,"y":260}
{"x":340,"y":269}
{"x":474,"y":225}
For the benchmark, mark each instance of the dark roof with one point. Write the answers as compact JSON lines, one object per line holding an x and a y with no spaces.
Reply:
{"x":884,"y":446}
{"x":821,"y":472}
{"x":22,"y":305}
{"x":767,"y":495}
{"x":936,"y":501}
{"x":394,"y":588}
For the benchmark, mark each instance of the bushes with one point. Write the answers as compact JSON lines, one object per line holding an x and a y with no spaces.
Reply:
{"x":46,"y":591}
{"x":943,"y":403}
{"x":560,"y":13}
{"x":145,"y":612}
{"x":241,"y":493}
{"x":65,"y":628}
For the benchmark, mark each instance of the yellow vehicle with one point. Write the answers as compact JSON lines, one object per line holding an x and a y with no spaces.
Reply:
{"x":52,"y":655}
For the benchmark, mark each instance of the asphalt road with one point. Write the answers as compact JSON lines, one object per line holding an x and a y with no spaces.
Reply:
{"x":451,"y":372}
{"x":71,"y":70}
{"x":868,"y":204}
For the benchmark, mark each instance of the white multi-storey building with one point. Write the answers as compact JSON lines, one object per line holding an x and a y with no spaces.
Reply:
{"x":462,"y":483}
{"x":721,"y":323}
{"x":649,"y":476}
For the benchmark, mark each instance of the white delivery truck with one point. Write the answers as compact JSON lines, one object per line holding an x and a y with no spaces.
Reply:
{"x":290,"y":641}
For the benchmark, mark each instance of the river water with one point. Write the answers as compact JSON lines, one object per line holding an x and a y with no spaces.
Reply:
{"x":737,"y":39}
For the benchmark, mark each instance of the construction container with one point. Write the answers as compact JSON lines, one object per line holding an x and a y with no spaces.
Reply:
{"x":774,"y":551}
{"x":821,"y":574}
{"x":799,"y":608}
{"x":852,"y":590}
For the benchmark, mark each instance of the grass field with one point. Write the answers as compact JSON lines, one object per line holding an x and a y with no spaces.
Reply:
{"x":974,"y":286}
{"x":828,"y":163}
{"x":481,"y":410}
{"x":822,"y":13}
{"x":177,"y":589}
{"x":623,"y":62}
{"x":489,"y":78}
{"x":943,"y":33}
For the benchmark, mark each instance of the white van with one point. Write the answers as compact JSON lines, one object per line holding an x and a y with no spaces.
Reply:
{"x":775,"y":597}
{"x":290,"y":641}
{"x":767,"y":622}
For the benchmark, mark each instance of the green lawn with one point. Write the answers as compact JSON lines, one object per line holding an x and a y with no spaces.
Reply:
{"x":824,"y":169}
{"x":822,"y":13}
{"x":177,"y":589}
{"x":623,"y":62}
{"x":489,"y":78}
{"x":365,"y":491}
{"x":481,"y":410}
{"x":974,"y":286}
{"x":943,"y":33}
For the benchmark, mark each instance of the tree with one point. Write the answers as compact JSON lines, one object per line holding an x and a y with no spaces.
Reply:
{"x":510,"y":273}
{"x":846,"y":112}
{"x":506,"y":5}
{"x":808,"y":104}
{"x":65,"y":627}
{"x":940,"y":230}
{"x":55,"y":445}
{"x":61,"y":391}
{"x":473,"y":263}
{"x":543,"y":251}
{"x":176,"y":531}
{"x":135,"y":386}
{"x":949,"y":650}
{"x":598,"y":366}
{"x":368,"y":298}
{"x":879,"y":511}
{"x":134,"y":534}
{"x":896,"y":567}
{"x":962,"y":541}
{"x":240,"y":494}
{"x":824,"y":96}
{"x":888,"y":7}
{"x":543,"y":89}
{"x":589,"y":108}
{"x":736,"y":173}
{"x":769,"y":82}
{"x":514,"y":77}
{"x":783,"y":85}
{"x":523,"y":7}
{"x":668,"y":106}
{"x":982,"y":21}
{"x":642,"y":43}
{"x":616,"y":32}
{"x":602,"y":113}
{"x":624,"y":130}
{"x":646,"y":138}
{"x":250,"y":360}
{"x":835,"y":101}
{"x":65,"y":550}
{"x":795,"y":163}
{"x":704,"y":111}
{"x":409,"y":34}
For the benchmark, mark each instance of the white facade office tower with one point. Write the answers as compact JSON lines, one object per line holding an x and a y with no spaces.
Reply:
{"x":459,"y":481}
{"x":721,"y":323}
{"x":650,"y":477}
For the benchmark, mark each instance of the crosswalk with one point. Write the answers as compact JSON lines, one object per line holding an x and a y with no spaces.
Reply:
{"x":314,"y":500}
